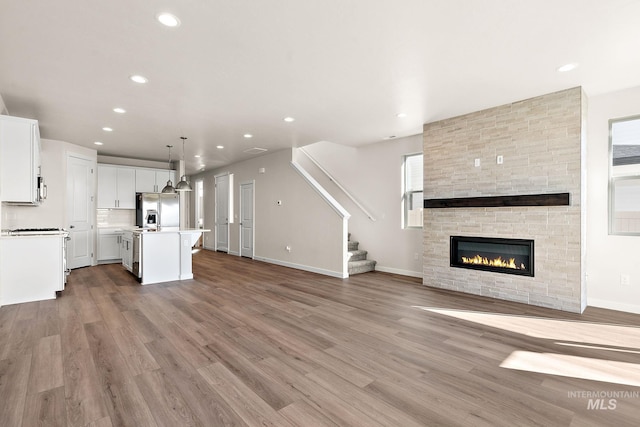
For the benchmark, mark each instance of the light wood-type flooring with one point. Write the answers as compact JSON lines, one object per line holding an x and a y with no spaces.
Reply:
{"x":249,"y":343}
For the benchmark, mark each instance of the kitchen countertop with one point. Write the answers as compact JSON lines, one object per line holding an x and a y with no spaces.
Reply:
{"x":170,"y":230}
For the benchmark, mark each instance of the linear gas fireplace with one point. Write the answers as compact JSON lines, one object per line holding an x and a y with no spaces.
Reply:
{"x":510,"y":256}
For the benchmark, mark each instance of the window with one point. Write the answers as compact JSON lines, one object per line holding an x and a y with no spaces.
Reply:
{"x":624,"y":176}
{"x":413,"y":200}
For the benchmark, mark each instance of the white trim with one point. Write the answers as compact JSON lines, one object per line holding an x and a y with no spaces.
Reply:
{"x":340,"y":186}
{"x":399,"y":271}
{"x":331,"y":273}
{"x":320,"y":190}
{"x":253,"y":226}
{"x":612,"y":305}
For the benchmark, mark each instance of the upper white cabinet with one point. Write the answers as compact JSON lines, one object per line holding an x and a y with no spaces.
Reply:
{"x":20,"y":160}
{"x":116,"y":187}
{"x":153,"y":180}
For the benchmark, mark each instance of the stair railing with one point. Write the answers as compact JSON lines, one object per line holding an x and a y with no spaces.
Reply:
{"x":340,"y":186}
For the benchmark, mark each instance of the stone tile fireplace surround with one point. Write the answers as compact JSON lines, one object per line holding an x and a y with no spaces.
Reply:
{"x":541,"y":142}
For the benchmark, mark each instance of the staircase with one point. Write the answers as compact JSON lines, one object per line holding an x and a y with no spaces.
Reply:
{"x":358,"y":262}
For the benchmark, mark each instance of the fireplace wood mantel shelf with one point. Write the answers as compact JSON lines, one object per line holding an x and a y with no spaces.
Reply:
{"x":554,"y":199}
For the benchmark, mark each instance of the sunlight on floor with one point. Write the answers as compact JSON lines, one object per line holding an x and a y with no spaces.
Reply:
{"x":625,"y":337}
{"x":575,"y":367}
{"x":596,"y":336}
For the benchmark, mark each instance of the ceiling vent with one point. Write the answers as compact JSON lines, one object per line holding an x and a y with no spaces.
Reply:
{"x":255,"y":150}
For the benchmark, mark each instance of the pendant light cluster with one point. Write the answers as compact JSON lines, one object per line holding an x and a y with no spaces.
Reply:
{"x":169,"y":187}
{"x":183,"y":185}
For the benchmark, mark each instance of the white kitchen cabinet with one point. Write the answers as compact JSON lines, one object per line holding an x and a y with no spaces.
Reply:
{"x":20,"y":160}
{"x":32,"y":268}
{"x":109,"y":245}
{"x":116,"y":187}
{"x":153,"y":180}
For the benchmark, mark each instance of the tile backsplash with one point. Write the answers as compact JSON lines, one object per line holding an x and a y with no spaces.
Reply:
{"x":115,"y":217}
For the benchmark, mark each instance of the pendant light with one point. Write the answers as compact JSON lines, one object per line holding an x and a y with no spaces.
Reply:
{"x":183,"y":185}
{"x":169,"y":187}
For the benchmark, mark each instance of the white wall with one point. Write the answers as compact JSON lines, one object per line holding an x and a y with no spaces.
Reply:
{"x":52,"y":211}
{"x":304,"y":221}
{"x":608,"y":256}
{"x":372,"y":173}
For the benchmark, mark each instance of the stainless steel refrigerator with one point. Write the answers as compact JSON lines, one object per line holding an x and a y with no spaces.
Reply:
{"x":156,"y":210}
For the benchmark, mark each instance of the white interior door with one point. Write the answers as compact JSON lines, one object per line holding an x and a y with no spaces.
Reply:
{"x":199,"y":208}
{"x":222,"y":213}
{"x":246,"y":220}
{"x":80,"y":197}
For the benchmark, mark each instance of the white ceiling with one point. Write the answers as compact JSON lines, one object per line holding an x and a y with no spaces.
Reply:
{"x":342,"y":68}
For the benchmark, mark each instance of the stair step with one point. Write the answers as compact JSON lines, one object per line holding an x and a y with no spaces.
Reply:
{"x":352,"y":245}
{"x":364,"y":266}
{"x":357,"y":255}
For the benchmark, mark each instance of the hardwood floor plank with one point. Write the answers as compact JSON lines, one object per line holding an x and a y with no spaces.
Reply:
{"x":383,"y":412}
{"x":249,"y":373}
{"x":83,"y":397}
{"x":48,"y":317}
{"x":23,"y":336}
{"x":144,"y":328}
{"x":165,"y":401}
{"x":46,"y":365}
{"x":251,"y":408}
{"x":300,"y":413}
{"x":8,"y":316}
{"x":14,"y":379}
{"x":205,"y":402}
{"x":135,"y":354}
{"x":46,"y":408}
{"x":324,"y":401}
{"x":123,"y":400}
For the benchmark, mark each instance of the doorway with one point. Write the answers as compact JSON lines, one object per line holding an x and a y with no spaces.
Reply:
{"x":199,"y":209}
{"x":80,"y":210}
{"x":246,"y":219}
{"x":222,"y":199}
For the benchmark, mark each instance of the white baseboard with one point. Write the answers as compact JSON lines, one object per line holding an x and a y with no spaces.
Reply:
{"x":399,"y":271}
{"x":302,"y":267}
{"x":613,"y":305}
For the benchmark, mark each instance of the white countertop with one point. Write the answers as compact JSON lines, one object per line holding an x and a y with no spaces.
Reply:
{"x":170,"y":230}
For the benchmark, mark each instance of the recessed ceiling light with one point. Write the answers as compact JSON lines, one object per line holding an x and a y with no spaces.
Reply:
{"x":219,"y":147}
{"x":197,"y":156}
{"x":98,"y":143}
{"x":567,"y":67}
{"x":119,"y":110}
{"x":401,"y":115}
{"x":289,"y":119}
{"x":248,"y":135}
{"x":107,"y":129}
{"x":168,"y":19}
{"x":139,"y":79}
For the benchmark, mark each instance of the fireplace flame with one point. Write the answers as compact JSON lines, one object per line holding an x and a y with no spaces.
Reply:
{"x":496,"y":262}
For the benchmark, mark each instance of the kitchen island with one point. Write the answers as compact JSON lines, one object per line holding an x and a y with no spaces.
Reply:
{"x":164,"y":255}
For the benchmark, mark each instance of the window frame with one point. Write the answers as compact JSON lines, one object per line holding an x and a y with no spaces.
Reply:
{"x":614,"y":178}
{"x":407,"y":195}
